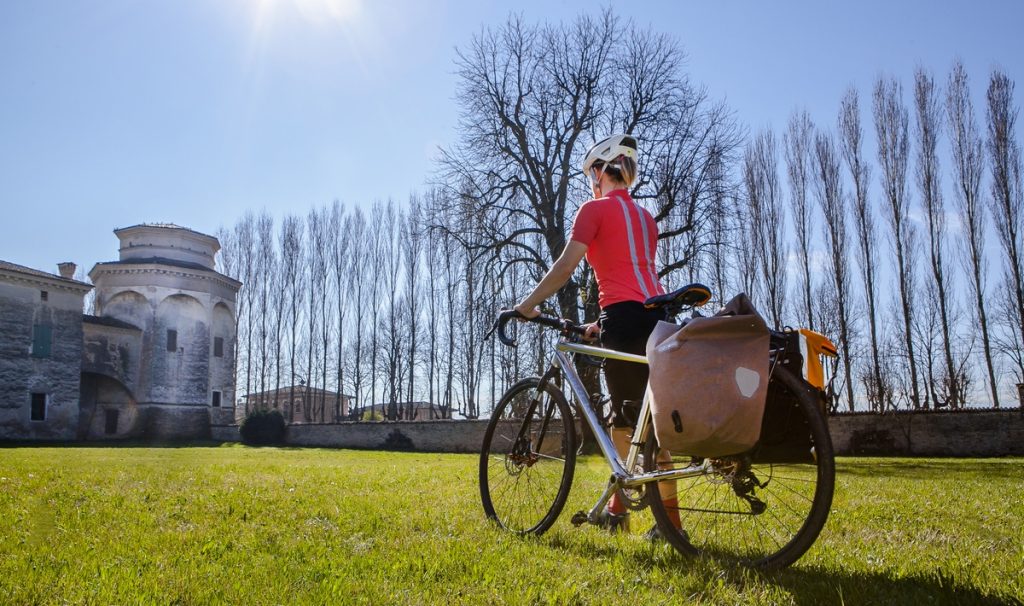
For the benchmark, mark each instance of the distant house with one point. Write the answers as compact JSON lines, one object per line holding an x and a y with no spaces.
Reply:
{"x":302,"y":404}
{"x":420,"y":411}
{"x":399,"y":411}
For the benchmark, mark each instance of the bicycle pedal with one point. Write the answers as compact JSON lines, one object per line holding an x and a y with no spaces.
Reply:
{"x":579,"y":518}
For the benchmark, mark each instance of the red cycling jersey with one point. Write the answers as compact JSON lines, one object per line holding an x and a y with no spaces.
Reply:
{"x":622,"y":240}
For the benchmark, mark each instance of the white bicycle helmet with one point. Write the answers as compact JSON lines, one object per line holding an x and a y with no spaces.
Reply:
{"x":609,"y":150}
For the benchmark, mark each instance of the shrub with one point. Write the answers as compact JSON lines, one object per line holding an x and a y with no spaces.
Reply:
{"x":263,"y":427}
{"x":371,"y":415}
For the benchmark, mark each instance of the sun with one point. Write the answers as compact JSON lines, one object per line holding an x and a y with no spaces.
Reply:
{"x":339,"y":11}
{"x":285,"y":26}
{"x":336,"y":12}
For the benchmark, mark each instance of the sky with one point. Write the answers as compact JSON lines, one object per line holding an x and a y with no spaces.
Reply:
{"x":119,"y":112}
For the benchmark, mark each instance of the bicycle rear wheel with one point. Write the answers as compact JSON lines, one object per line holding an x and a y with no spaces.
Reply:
{"x":764,"y":508}
{"x":528,"y":458}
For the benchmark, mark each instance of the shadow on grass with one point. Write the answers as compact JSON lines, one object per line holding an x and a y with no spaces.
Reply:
{"x":815,"y":585}
{"x":1009,"y":469}
{"x":811,"y":585}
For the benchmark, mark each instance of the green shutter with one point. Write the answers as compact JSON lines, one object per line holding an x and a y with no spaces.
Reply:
{"x":42,"y":337}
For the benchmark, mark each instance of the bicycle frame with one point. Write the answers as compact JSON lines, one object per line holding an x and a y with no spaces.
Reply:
{"x":621,"y":477}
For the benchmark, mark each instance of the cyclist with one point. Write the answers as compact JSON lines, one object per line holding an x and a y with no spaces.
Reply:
{"x":619,"y":239}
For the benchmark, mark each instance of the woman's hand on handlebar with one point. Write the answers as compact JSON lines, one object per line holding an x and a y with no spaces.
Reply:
{"x":565,"y":326}
{"x":592,"y":332}
{"x":527,"y":313}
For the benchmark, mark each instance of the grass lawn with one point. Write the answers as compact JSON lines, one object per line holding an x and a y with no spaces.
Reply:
{"x":279,"y":526}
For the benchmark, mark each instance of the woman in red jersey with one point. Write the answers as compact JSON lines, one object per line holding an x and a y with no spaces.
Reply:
{"x":619,"y":239}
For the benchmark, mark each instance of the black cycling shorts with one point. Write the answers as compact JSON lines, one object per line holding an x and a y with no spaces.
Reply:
{"x":625,"y":327}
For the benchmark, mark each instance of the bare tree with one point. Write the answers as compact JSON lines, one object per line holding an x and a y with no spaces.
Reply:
{"x":746,"y":258}
{"x":721,"y":227}
{"x":850,"y":137}
{"x":452,"y":271}
{"x":330,"y":227}
{"x":474,"y":301}
{"x":797,"y":143}
{"x":767,"y":224}
{"x":531,"y":97}
{"x":1007,"y":204}
{"x":291,"y":244}
{"x":390,"y":268}
{"x":265,"y":269}
{"x":968,"y":163}
{"x":278,"y":301}
{"x":891,"y":123}
{"x":929,"y":122}
{"x":359,"y":279}
{"x":340,"y":246}
{"x":434,"y":261}
{"x":376,"y":251}
{"x":412,"y":244}
{"x":245,"y":241}
{"x":829,"y":188}
{"x":316,"y":272}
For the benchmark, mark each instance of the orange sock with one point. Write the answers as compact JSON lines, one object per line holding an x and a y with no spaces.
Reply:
{"x":620,"y":437}
{"x":672,"y":507}
{"x":615,"y":505}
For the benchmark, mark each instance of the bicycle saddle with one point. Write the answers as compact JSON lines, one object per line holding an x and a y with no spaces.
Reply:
{"x":691,"y":295}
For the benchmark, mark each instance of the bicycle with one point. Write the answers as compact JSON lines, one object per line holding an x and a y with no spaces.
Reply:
{"x":763,"y":508}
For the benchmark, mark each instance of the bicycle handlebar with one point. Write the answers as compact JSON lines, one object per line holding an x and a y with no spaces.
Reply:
{"x":506,"y":315}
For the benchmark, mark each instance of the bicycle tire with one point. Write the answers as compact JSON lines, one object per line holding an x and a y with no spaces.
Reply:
{"x":763,"y":509}
{"x":528,"y":458}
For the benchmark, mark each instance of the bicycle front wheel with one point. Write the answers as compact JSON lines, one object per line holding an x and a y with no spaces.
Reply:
{"x":528,"y":458}
{"x":764,"y":508}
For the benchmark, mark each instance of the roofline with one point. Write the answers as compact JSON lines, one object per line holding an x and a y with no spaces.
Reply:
{"x":142,"y":226}
{"x":298,"y":388}
{"x":27,"y":274}
{"x":130,"y":265}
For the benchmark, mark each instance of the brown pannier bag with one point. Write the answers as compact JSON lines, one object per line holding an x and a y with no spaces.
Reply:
{"x":709,"y":381}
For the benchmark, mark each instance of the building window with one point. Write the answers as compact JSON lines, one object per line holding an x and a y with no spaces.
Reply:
{"x":172,"y":340}
{"x":216,"y":399}
{"x":42,"y":338}
{"x":110,"y":426}
{"x":44,"y":296}
{"x":38,"y":407}
{"x":218,"y":347}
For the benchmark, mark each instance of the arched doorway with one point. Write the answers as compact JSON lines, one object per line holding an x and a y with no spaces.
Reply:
{"x":107,"y":410}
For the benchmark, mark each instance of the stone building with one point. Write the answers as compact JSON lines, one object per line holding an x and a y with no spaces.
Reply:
{"x":302,"y":404}
{"x":157,"y":359}
{"x":40,"y":352}
{"x":160,"y":360}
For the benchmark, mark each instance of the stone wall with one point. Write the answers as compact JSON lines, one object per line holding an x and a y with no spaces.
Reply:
{"x":174,"y":423}
{"x":181,"y":376}
{"x":425,"y":436}
{"x":959,"y":434}
{"x":967,"y":434}
{"x":22,"y":374}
